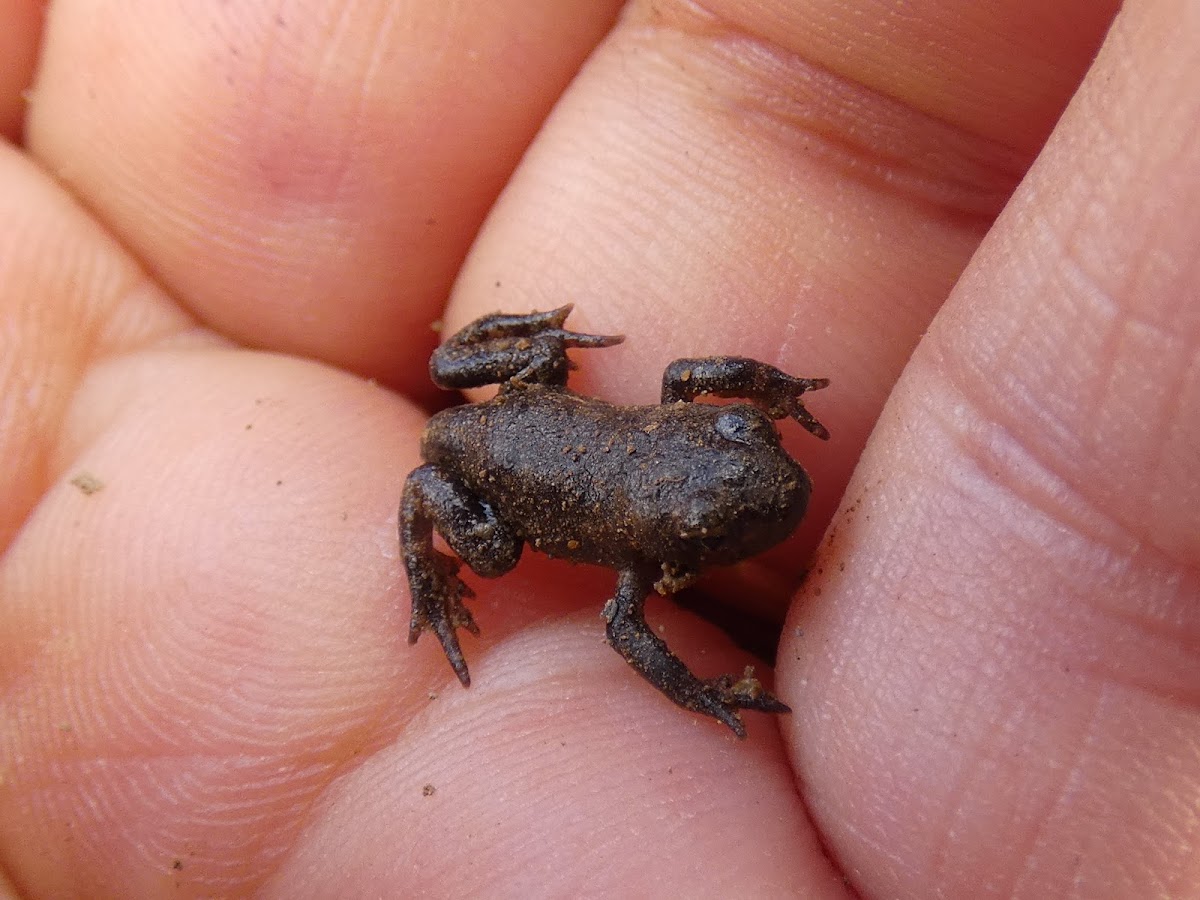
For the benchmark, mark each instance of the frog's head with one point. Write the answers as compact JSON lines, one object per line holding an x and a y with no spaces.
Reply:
{"x":743,"y":495}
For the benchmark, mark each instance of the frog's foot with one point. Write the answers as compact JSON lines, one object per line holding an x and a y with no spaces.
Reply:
{"x":517,"y":349}
{"x":432,"y":497}
{"x":743,"y":692}
{"x":720,"y":697}
{"x":772,"y":390}
{"x":723,"y":696}
{"x":437,"y":606}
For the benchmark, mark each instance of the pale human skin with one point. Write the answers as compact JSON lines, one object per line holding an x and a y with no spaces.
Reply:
{"x":224,"y":232}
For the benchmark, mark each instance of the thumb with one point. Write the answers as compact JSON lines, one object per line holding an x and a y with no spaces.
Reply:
{"x":1001,"y":668}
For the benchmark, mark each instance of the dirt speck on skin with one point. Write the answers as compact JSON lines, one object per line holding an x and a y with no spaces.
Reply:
{"x":428,"y":790}
{"x":87,"y":483}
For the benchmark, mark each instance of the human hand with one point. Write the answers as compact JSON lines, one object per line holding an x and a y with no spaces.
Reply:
{"x":992,"y":667}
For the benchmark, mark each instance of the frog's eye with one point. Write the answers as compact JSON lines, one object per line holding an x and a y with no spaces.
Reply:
{"x":735,"y":425}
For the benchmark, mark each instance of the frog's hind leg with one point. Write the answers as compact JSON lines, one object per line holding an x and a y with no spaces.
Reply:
{"x":525,"y":349}
{"x":472,"y":529}
{"x":630,"y":636}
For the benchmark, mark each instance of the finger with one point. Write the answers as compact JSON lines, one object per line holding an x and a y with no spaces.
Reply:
{"x":307,"y":180}
{"x":146,"y":473}
{"x":200,"y":621}
{"x":999,"y":664}
{"x":742,"y":180}
{"x":560,"y":768}
{"x":69,"y":299}
{"x":18,"y":52}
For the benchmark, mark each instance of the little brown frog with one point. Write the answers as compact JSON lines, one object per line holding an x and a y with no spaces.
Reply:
{"x":657,"y":493}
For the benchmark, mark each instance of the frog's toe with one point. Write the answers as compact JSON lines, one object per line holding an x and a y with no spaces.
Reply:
{"x":747,"y":692}
{"x":713,"y":704}
{"x":440,"y":609}
{"x":764,"y":702}
{"x":449,"y":640}
{"x":723,"y":696}
{"x":460,"y":617}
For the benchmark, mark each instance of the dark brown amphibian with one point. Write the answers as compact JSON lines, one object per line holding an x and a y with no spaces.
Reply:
{"x":658,"y":493}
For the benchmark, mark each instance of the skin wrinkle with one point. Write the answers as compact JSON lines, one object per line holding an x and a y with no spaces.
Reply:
{"x":317,"y":182}
{"x":1185,"y":801}
{"x":1105,"y":193}
{"x":1113,"y":551}
{"x":370,"y":73}
{"x":1115,"y":766}
{"x":903,"y":865}
{"x":1126,"y":511}
{"x":1090,"y":316}
{"x":1133,"y":281}
{"x":1116,"y":182}
{"x":859,"y":157}
{"x":324,"y":73}
{"x":998,"y":735}
{"x":975,"y":383}
{"x":954,"y":87}
{"x":98,"y":326}
{"x":957,"y":776}
{"x":1186,"y":699}
{"x":1067,"y":786}
{"x":1186,"y":397}
{"x":1166,"y":353}
{"x":860,"y":132}
{"x":201,"y":801}
{"x":1124,"y":129}
{"x":941,"y":856}
{"x":1017,"y":468}
{"x":945,"y":854}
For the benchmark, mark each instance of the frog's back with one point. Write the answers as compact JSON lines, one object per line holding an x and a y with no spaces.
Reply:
{"x":555,"y":465}
{"x":618,"y":485}
{"x":532,"y":439}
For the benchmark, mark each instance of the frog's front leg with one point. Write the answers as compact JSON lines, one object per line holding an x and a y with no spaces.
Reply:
{"x":630,"y":636}
{"x":526,"y":349}
{"x":770,"y":389}
{"x":432,"y":499}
